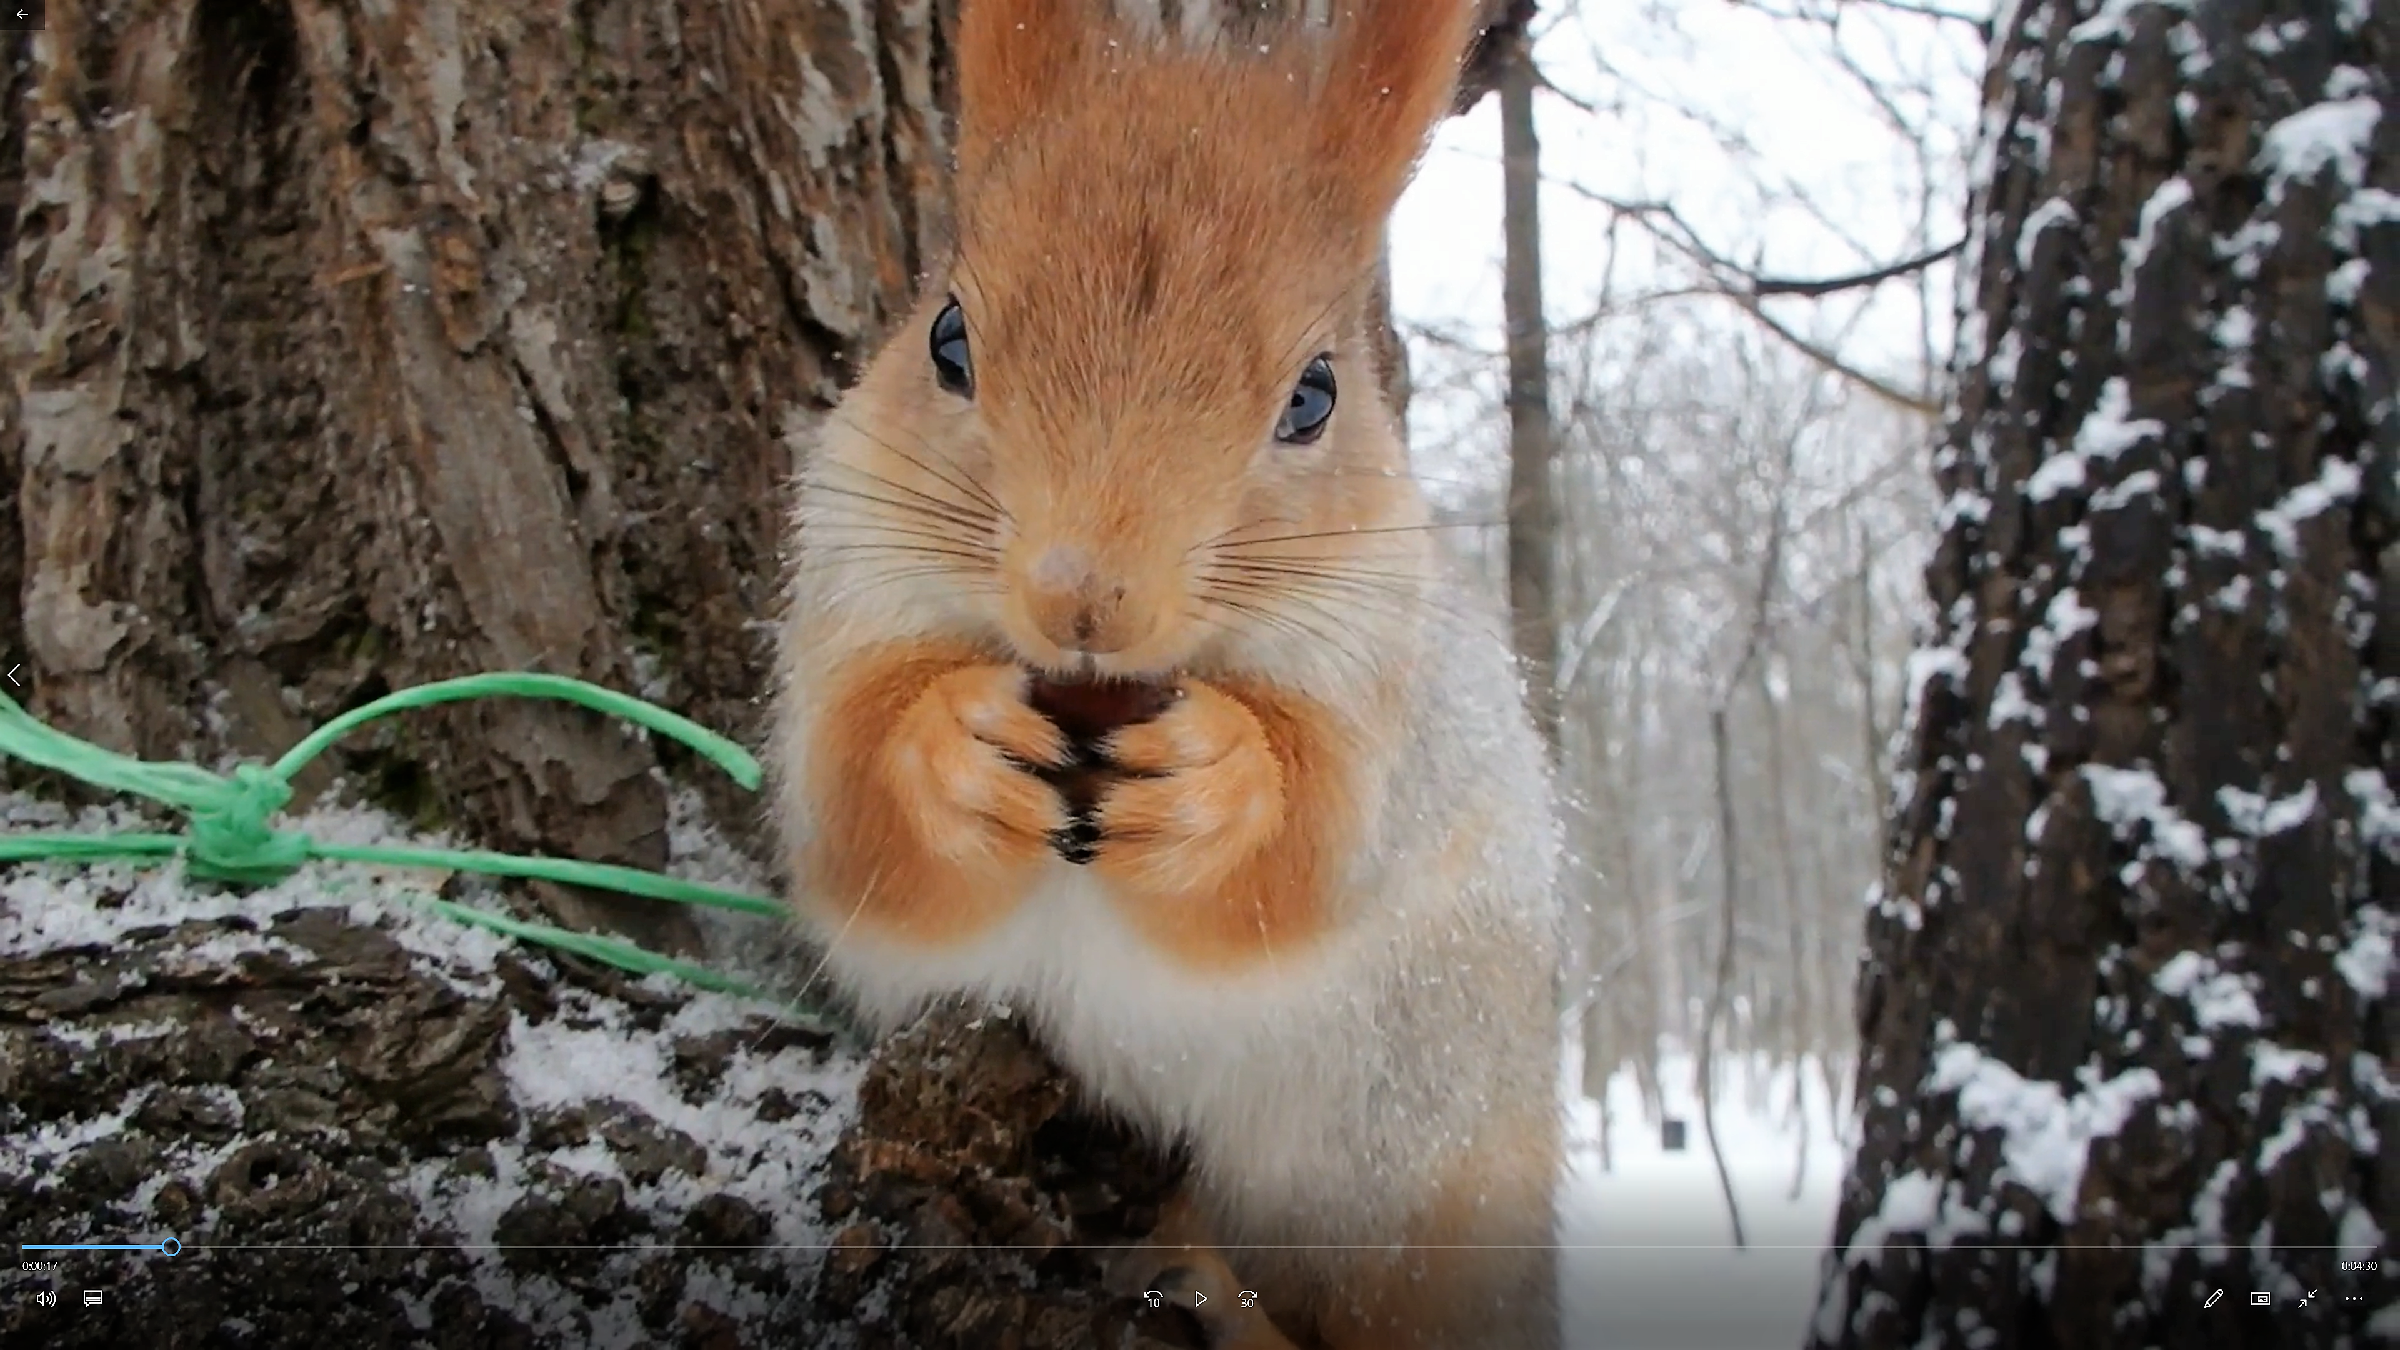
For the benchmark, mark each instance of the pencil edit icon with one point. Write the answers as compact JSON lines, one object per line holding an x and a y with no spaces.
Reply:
{"x":2211,"y":1300}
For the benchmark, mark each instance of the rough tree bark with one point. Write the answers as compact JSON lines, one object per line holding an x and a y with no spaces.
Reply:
{"x":352,"y":347}
{"x":349,"y":346}
{"x":2126,"y":1012}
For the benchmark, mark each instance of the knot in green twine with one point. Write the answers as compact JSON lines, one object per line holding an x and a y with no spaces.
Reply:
{"x":231,"y":841}
{"x":230,"y":837}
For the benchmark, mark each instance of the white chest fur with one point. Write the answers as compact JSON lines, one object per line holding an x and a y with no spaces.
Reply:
{"x":1266,"y":1071}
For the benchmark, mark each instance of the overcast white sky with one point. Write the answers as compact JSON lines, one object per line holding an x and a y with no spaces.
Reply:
{"x":1785,"y":117}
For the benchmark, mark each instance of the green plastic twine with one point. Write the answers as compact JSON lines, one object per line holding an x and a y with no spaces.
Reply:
{"x":229,"y":838}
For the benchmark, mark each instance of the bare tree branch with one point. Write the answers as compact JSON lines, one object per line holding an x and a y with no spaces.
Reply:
{"x":1736,"y":283}
{"x":1762,"y":286}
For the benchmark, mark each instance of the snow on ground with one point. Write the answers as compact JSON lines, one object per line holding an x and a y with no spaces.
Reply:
{"x":1649,"y":1262}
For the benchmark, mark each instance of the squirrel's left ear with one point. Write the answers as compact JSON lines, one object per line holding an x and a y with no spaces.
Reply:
{"x":1015,"y":57}
{"x":1394,"y":70}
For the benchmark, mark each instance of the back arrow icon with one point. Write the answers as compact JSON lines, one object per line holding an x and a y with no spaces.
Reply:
{"x":12,"y":670}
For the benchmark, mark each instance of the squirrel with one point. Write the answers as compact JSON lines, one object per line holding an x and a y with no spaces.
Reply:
{"x":1120,"y":679}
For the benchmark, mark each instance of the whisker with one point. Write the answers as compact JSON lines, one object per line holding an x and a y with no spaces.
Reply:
{"x":1412,"y":585}
{"x":903,"y":550}
{"x":1267,"y":582}
{"x":957,"y":516}
{"x":1382,"y":599}
{"x":1260,"y":614}
{"x":1220,"y":535}
{"x":870,"y":526}
{"x":941,"y":503}
{"x":1301,"y":564}
{"x":1328,"y":634}
{"x":964,"y":482}
{"x":1378,"y":530}
{"x":963,"y":580}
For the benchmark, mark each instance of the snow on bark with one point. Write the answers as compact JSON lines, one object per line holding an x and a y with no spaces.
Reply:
{"x":440,"y":1093}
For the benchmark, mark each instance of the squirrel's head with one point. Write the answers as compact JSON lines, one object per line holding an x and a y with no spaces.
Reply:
{"x":1140,"y":414}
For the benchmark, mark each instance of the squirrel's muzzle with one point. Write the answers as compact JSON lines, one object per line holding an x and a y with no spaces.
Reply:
{"x":1075,"y":604}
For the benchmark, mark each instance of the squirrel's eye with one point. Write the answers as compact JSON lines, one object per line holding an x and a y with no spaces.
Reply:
{"x":1304,"y":418}
{"x":949,"y":344}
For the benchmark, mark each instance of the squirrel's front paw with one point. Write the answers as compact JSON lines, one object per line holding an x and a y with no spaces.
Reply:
{"x":1198,"y":791}
{"x":962,"y":764}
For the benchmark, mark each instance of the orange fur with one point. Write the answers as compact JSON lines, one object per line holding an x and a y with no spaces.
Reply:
{"x":1014,"y":59}
{"x":1222,"y":841}
{"x":1146,"y":264}
{"x":925,"y":821}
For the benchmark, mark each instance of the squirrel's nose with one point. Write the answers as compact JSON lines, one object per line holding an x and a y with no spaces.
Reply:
{"x":1073,"y":606}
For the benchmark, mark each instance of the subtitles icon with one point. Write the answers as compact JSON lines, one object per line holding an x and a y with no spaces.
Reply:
{"x":91,"y":1298}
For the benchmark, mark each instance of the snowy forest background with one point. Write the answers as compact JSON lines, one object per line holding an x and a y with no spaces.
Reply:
{"x":1746,"y":517}
{"x":1974,"y":480}
{"x":1746,"y":521}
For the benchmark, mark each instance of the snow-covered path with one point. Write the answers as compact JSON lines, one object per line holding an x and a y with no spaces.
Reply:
{"x":1649,"y":1257}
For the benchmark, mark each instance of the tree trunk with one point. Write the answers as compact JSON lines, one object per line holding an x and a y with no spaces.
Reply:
{"x":1533,"y":509}
{"x":2125,"y":1017}
{"x":354,"y":347}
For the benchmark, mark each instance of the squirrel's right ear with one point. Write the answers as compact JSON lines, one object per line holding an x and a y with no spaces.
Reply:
{"x":1395,"y":72}
{"x":1014,"y":57}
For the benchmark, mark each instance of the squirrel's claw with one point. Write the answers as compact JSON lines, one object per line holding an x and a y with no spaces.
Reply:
{"x":1198,"y":792}
{"x":1079,"y":842}
{"x":953,"y":766}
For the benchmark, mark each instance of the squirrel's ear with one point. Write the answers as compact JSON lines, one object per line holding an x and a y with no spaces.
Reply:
{"x":1394,"y":73}
{"x":1014,"y":57}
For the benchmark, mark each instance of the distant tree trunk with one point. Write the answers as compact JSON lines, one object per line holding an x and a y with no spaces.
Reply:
{"x":2126,"y":1017}
{"x":1533,"y":511}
